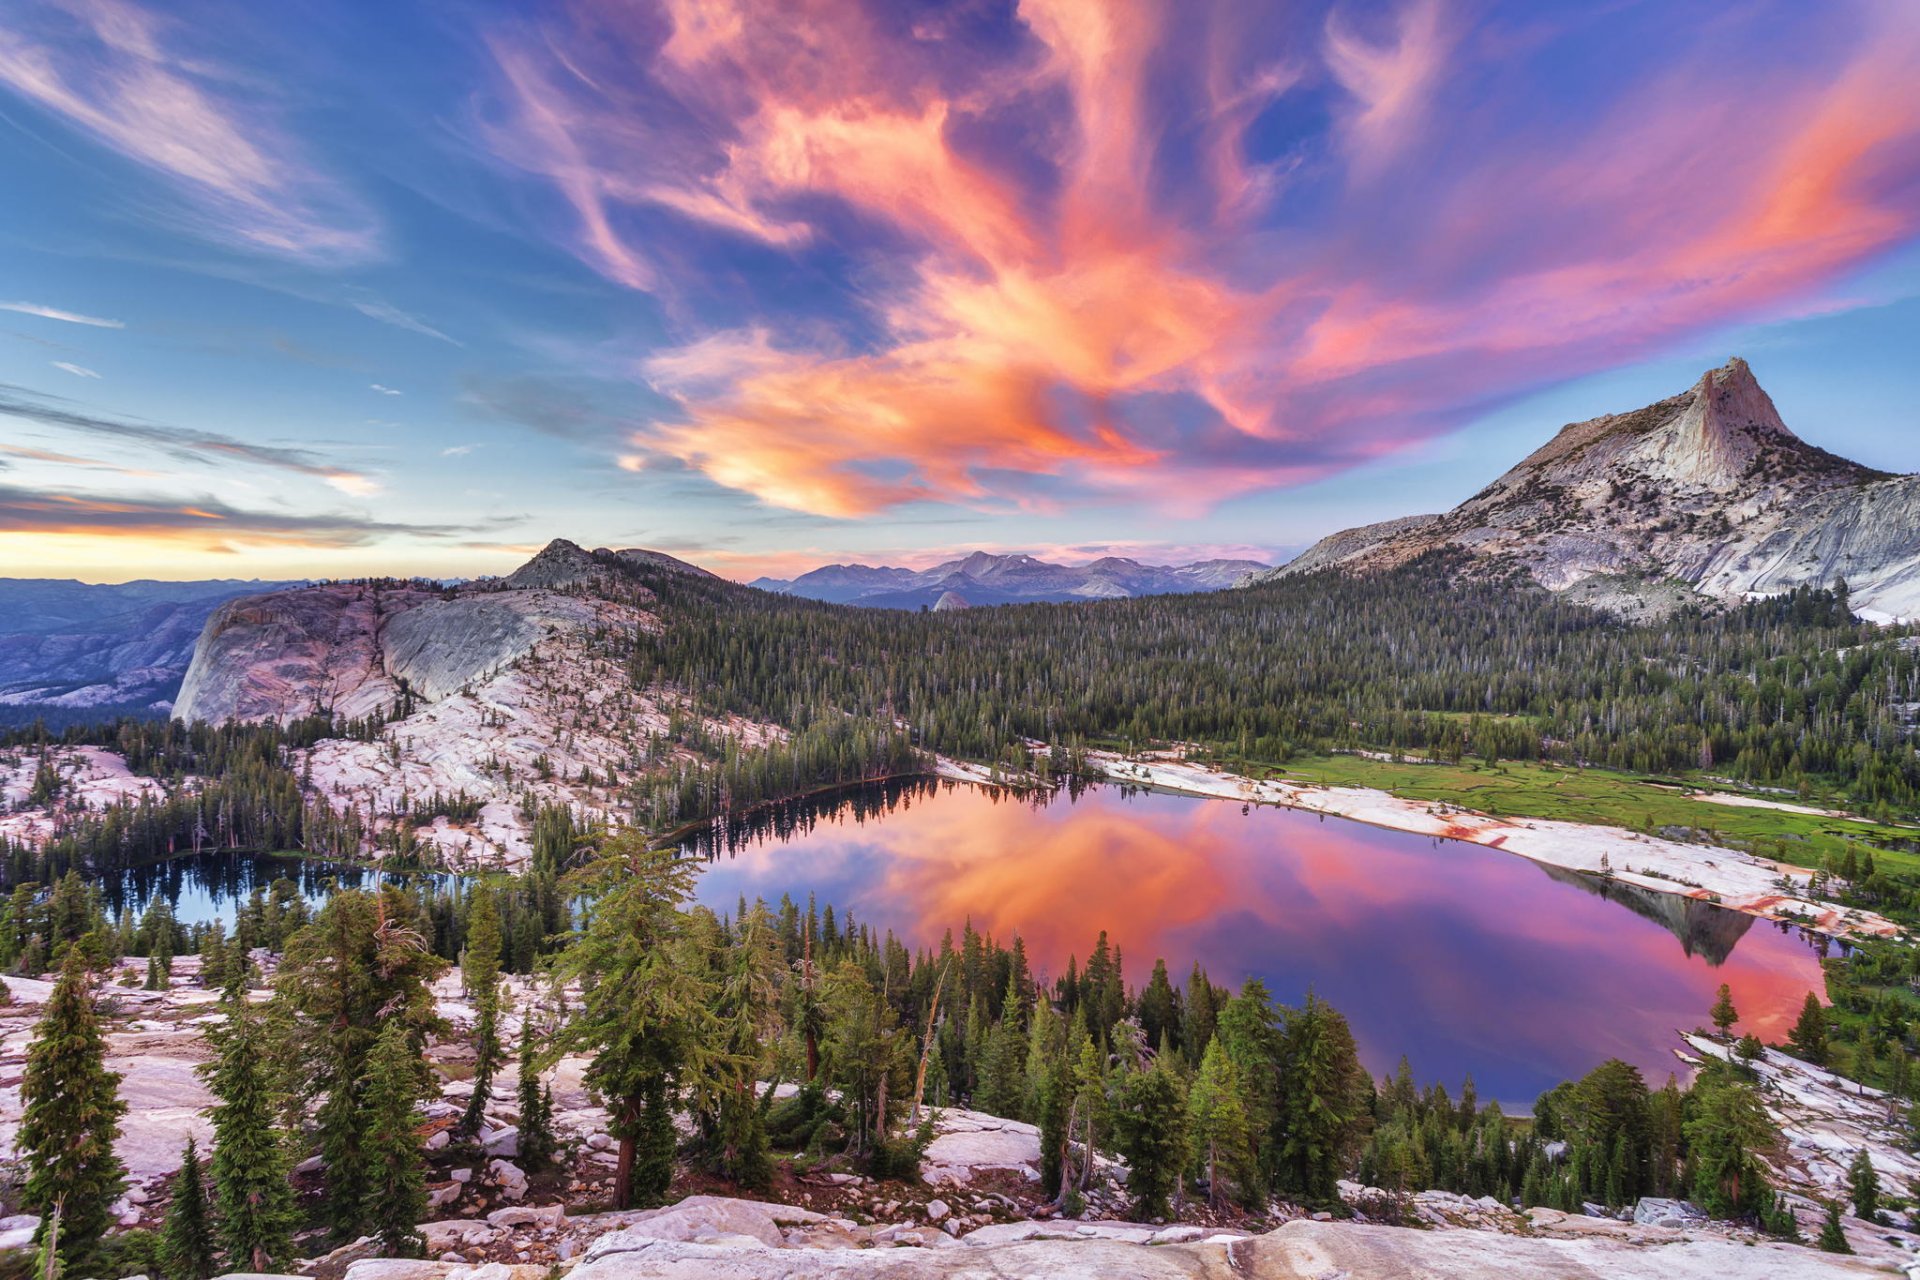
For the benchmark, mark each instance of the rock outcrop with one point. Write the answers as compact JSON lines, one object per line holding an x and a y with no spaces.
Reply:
{"x":1299,"y":1250}
{"x":1708,"y":490}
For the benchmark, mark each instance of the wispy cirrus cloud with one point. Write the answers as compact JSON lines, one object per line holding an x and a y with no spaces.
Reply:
{"x":1173,"y":253}
{"x":77,"y":370}
{"x":65,"y":317}
{"x":205,"y":524}
{"x":121,"y":74}
{"x":178,"y":442}
{"x":68,"y":460}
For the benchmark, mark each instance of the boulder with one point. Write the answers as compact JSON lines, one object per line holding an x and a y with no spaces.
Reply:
{"x":551,"y":1215}
{"x":420,"y":1269}
{"x":1654,"y":1212}
{"x":509,"y":1177}
{"x":700,"y":1218}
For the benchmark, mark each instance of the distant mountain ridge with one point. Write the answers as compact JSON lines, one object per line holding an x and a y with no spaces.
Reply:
{"x":982,"y":579}
{"x":102,"y":648}
{"x":1706,"y":494}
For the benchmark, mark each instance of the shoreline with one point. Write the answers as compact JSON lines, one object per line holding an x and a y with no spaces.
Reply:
{"x":1725,"y":877}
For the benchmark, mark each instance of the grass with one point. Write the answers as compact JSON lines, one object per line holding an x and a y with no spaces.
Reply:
{"x":1514,"y":789}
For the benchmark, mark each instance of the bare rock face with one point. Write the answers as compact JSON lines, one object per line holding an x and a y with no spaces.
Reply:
{"x":1707,"y":489}
{"x":1300,"y":1250}
{"x":508,"y":693}
{"x":291,"y":653}
{"x":441,"y":645}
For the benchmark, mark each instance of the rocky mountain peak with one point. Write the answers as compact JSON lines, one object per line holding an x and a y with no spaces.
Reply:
{"x":1729,"y":422}
{"x":557,"y":564}
{"x":1707,"y":489}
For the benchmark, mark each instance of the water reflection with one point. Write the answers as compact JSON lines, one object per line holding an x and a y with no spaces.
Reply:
{"x":1467,"y":959}
{"x":210,"y":886}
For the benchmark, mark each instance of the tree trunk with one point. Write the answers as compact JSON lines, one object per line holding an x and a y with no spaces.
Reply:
{"x":623,"y":1176}
{"x":926,"y":1048}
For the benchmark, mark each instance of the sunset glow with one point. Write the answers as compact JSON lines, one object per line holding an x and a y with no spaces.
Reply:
{"x":725,"y":277}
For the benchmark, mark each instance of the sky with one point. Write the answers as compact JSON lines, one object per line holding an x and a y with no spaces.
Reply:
{"x":396,"y":287}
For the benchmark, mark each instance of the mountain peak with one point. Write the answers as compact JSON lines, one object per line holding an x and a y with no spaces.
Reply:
{"x":558,"y":563}
{"x":1708,"y":487}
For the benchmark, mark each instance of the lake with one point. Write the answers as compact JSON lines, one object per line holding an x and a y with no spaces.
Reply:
{"x":1464,"y":958}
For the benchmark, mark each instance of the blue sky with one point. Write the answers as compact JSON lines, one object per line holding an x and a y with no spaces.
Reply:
{"x":405,"y":288}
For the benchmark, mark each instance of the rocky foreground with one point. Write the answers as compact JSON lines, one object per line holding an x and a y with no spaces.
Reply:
{"x":974,"y":1212}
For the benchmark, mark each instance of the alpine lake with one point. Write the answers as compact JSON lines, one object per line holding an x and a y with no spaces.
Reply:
{"x":1466,"y":959}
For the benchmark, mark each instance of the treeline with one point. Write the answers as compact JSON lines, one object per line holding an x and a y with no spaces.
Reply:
{"x":1775,"y":691}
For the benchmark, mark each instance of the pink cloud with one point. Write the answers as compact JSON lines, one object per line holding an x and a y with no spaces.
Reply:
{"x":1051,"y":304}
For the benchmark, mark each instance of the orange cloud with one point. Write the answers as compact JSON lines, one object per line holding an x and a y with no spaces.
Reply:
{"x":1078,"y":280}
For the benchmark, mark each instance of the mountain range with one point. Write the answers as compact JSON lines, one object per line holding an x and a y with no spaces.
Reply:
{"x":102,"y":648}
{"x":1706,"y":495}
{"x":981,"y":579}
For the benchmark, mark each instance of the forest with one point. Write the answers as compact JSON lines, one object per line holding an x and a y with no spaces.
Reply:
{"x":1792,"y":691}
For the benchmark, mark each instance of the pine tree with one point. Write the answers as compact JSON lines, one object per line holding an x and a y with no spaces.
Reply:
{"x":72,"y":1117}
{"x":1217,"y":1124}
{"x":1150,"y":1131}
{"x":1159,"y":1006}
{"x":536,"y":1105}
{"x":1724,"y":1015}
{"x":251,"y":1165}
{"x":396,"y":1183}
{"x":1727,"y":1126}
{"x":1833,"y":1234}
{"x":361,"y":965}
{"x":1780,"y":1222}
{"x":1055,"y":1112}
{"x":486,"y":1061}
{"x":643,"y":1015}
{"x":186,"y":1243}
{"x":480,"y":973}
{"x":1865,"y":1184}
{"x":1809,"y":1034}
{"x":1322,"y":1112}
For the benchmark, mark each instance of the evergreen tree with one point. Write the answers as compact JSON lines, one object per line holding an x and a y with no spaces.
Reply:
{"x":72,"y":1117}
{"x":480,"y":975}
{"x":536,"y":1105}
{"x":1159,"y":1006}
{"x":252,"y":1167}
{"x":1322,"y":1113}
{"x":361,"y":965}
{"x":1865,"y":1184}
{"x":1809,"y":1033}
{"x":643,"y":1014}
{"x":743,"y":1002}
{"x":1055,"y":1111}
{"x":1150,"y":1131}
{"x":396,"y":1186}
{"x":1217,"y":1124}
{"x":1724,"y":1015}
{"x":1833,"y":1234}
{"x":1250,"y":1038}
{"x":186,"y":1244}
{"x":1780,"y":1222}
{"x":1090,"y":1110}
{"x":1727,"y":1126}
